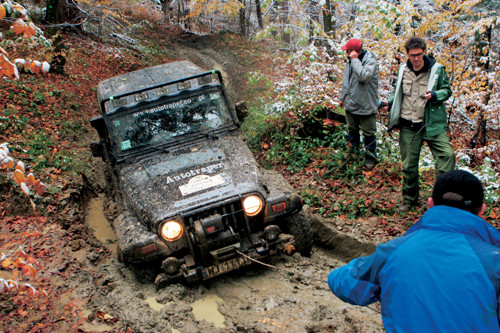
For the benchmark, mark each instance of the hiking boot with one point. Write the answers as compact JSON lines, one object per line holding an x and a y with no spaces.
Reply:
{"x":369,"y":165}
{"x":405,"y":207}
{"x":408,"y":205}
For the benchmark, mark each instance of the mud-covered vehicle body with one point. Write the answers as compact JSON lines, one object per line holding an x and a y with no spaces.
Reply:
{"x":193,"y":198}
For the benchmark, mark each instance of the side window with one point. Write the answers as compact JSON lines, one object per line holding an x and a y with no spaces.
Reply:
{"x":217,"y":112}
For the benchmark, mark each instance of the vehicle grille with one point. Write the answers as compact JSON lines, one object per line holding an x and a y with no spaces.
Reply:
{"x":230,"y":210}
{"x":181,"y":151}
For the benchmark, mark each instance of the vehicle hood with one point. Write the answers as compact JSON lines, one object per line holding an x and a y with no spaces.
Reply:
{"x":166,"y":184}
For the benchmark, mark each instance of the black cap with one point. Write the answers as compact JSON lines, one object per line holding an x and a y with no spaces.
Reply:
{"x":460,"y":189}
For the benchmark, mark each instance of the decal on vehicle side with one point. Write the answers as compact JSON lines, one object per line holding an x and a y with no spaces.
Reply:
{"x":200,"y":183}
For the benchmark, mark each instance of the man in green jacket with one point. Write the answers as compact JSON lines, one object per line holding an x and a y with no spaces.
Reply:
{"x":417,"y":109}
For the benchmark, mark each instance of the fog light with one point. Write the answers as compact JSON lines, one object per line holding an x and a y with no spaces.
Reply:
{"x":252,"y":205}
{"x":171,"y":231}
{"x":271,"y":232}
{"x":170,"y":265}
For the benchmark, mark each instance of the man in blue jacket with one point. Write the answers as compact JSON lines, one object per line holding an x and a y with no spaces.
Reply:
{"x":442,"y":276}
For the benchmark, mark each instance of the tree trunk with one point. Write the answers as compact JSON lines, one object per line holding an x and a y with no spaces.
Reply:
{"x":62,"y":11}
{"x":165,"y":7}
{"x":179,"y":12}
{"x":258,"y":11}
{"x":285,"y":20}
{"x":243,"y":19}
{"x":480,"y":137}
{"x":482,"y":44}
{"x":311,"y":13}
{"x":51,"y":15}
{"x":327,"y":16}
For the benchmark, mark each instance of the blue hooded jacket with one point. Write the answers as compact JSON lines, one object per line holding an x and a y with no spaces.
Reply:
{"x":442,"y":276}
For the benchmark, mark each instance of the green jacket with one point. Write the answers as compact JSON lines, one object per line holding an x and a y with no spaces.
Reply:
{"x":435,"y":116}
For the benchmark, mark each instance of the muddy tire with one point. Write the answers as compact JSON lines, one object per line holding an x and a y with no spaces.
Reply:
{"x":144,"y":272}
{"x":300,"y":228}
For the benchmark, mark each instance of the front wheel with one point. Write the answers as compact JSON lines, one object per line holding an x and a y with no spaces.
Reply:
{"x":300,"y":228}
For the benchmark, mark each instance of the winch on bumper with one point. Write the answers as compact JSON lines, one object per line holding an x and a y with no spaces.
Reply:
{"x":208,"y":241}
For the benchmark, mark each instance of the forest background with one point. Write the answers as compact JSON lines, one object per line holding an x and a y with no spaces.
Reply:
{"x":53,"y":53}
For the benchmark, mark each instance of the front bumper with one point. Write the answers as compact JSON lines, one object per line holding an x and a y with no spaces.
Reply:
{"x":201,"y":253}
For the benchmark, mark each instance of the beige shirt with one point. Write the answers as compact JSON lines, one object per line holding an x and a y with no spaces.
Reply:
{"x":413,"y":106}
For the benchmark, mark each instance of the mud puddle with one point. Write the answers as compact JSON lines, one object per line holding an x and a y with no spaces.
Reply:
{"x":206,"y":309}
{"x":99,"y":224}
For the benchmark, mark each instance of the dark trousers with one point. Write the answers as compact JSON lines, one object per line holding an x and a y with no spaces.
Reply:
{"x":367,"y":125}
{"x":410,"y":144}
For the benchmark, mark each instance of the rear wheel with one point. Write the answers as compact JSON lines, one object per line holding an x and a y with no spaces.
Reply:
{"x":300,"y":228}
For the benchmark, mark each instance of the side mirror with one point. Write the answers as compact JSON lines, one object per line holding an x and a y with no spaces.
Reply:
{"x":241,"y":110}
{"x":97,"y":122}
{"x":97,"y":149}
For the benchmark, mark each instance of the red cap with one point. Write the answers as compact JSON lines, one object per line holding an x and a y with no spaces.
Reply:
{"x":353,"y":44}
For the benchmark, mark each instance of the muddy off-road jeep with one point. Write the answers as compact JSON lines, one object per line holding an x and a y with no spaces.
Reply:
{"x":195,"y":202}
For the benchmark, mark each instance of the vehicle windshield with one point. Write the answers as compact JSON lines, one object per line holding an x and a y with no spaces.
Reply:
{"x":162,"y":122}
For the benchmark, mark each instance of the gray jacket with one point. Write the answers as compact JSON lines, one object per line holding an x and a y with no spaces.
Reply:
{"x":360,"y":85}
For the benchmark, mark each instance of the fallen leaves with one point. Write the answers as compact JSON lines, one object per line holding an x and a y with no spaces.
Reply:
{"x":6,"y":162}
{"x":27,"y":29}
{"x":19,"y":176}
{"x":3,"y":12}
{"x":330,"y":122}
{"x":30,"y":251}
{"x":17,"y":261}
{"x":105,"y":317}
{"x":289,"y":249}
{"x":7,"y":68}
{"x":33,"y":66}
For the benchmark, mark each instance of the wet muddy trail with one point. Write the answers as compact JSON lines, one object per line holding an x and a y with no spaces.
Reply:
{"x":285,"y":294}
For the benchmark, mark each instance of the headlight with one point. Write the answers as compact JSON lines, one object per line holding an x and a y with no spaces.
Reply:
{"x":252,"y":205}
{"x":171,"y":231}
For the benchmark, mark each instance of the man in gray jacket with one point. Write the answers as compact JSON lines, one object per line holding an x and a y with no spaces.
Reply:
{"x":359,"y":98}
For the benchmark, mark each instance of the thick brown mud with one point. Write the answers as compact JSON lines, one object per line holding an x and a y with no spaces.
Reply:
{"x":285,"y":294}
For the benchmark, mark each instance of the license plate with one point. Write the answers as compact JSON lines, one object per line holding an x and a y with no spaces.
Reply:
{"x":223,"y":267}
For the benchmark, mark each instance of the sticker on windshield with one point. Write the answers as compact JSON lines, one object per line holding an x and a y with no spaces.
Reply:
{"x":126,"y":145}
{"x":116,"y":123}
{"x":200,"y":183}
